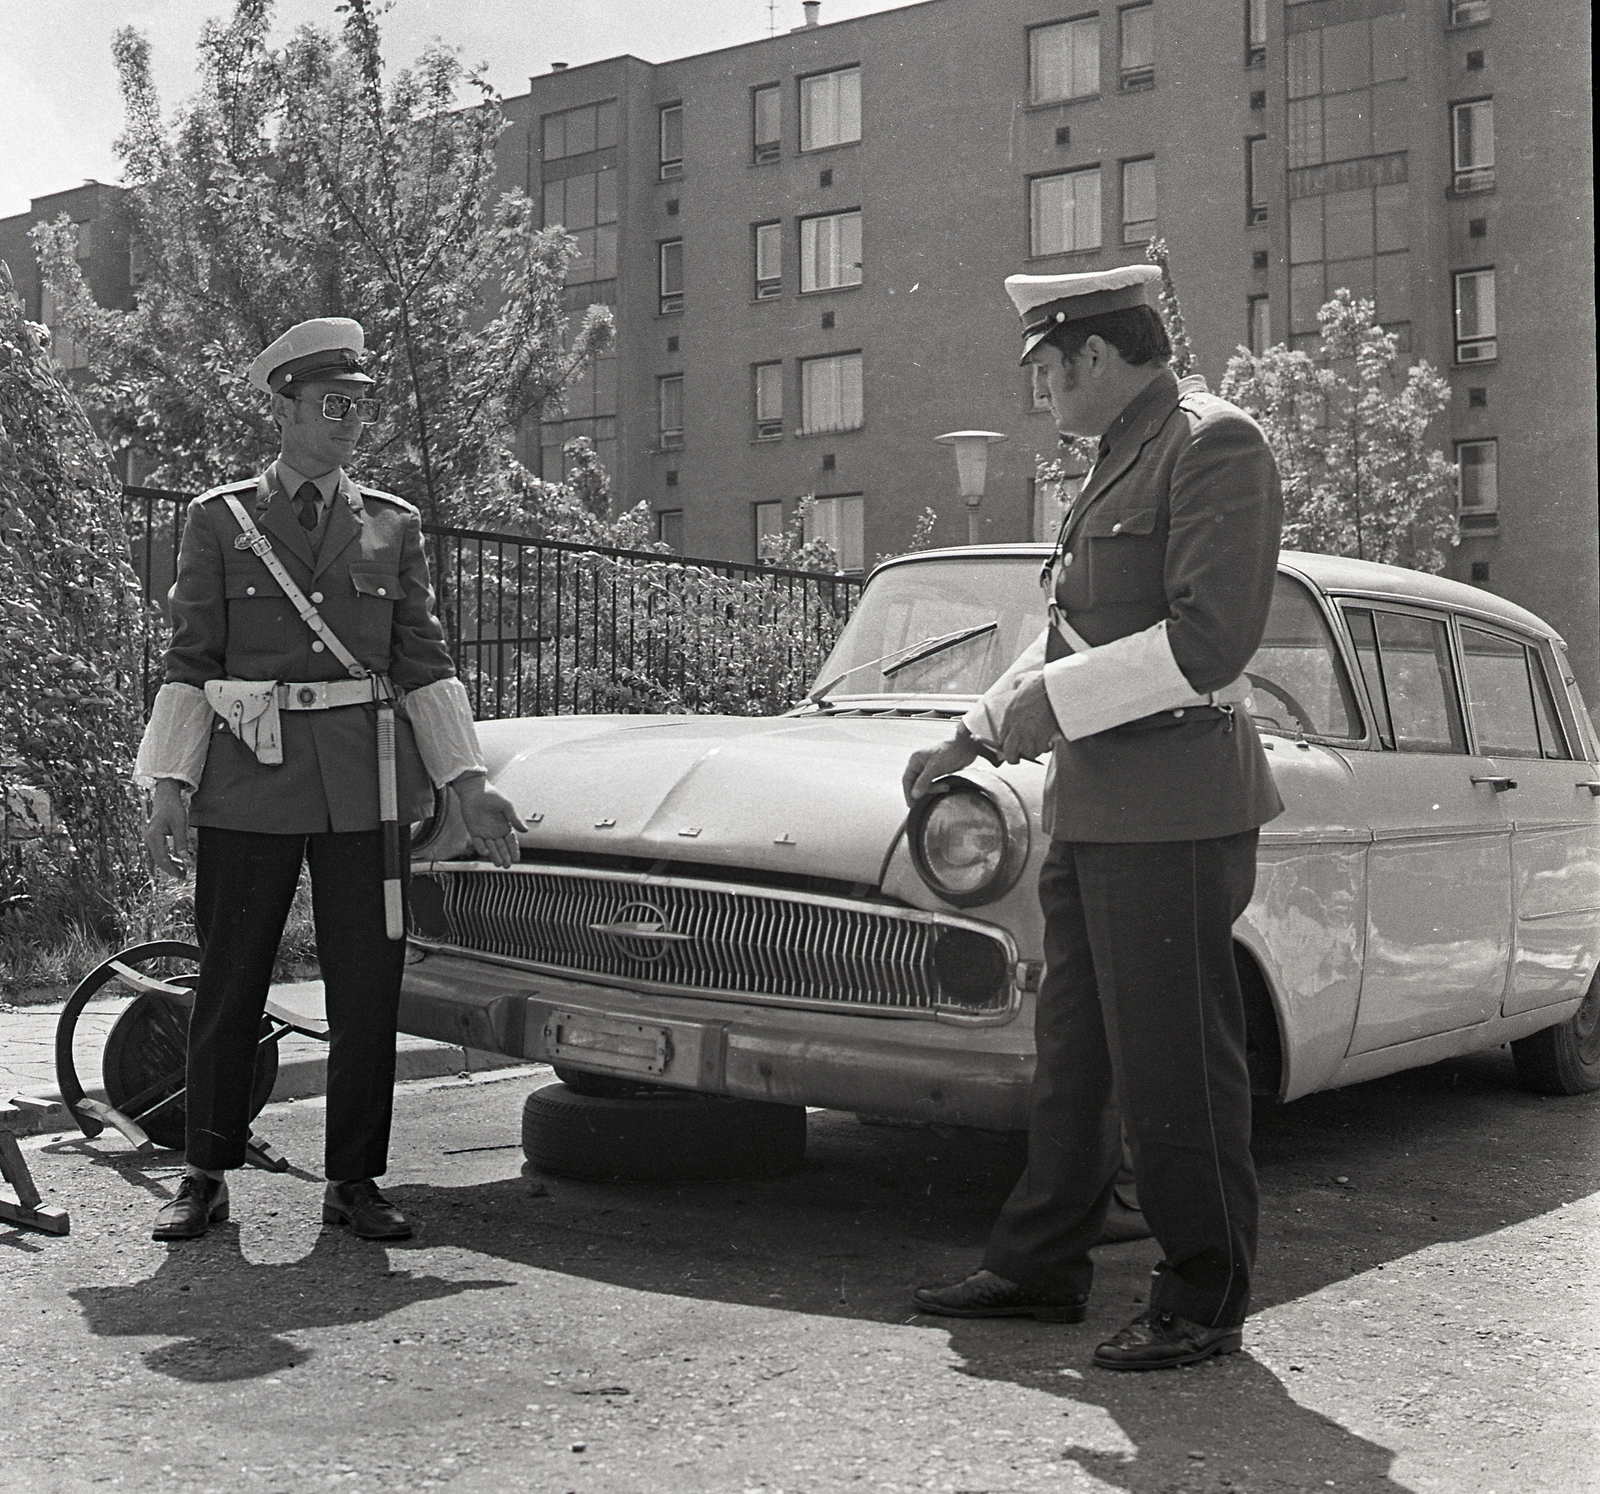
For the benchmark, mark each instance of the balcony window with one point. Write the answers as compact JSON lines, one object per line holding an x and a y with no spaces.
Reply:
{"x":767,"y":518}
{"x":830,"y":394}
{"x":1139,"y":200}
{"x":768,"y":380}
{"x":1137,"y":49}
{"x":839,"y":523}
{"x":768,"y":244}
{"x":586,"y":206}
{"x":1256,"y":171}
{"x":576,"y":132}
{"x":1476,"y":336}
{"x":1255,"y":32}
{"x":671,"y":142}
{"x":1477,"y":484}
{"x":1065,"y":212}
{"x":1258,"y":324}
{"x":830,"y":251}
{"x":1469,"y":12}
{"x":1472,"y":145}
{"x":830,"y":109}
{"x":669,"y":528}
{"x":1064,"y":60}
{"x":669,"y":412}
{"x":670,"y":276}
{"x":766,"y":109}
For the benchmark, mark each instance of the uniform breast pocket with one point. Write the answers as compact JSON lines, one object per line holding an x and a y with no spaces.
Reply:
{"x":244,"y":584}
{"x":375,"y":580}
{"x":1124,"y":555}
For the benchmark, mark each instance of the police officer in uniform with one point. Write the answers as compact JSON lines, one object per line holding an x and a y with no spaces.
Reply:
{"x":1159,"y":591}
{"x":277,"y":740}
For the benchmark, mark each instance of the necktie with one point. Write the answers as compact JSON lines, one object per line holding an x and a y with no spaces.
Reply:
{"x":307,"y":501}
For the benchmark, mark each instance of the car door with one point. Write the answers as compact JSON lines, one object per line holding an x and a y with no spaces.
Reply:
{"x":1439,"y":906}
{"x":1555,"y":816}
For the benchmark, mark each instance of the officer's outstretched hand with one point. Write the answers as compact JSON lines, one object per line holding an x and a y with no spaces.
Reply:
{"x":490,"y":819}
{"x":929,"y":763}
{"x":1029,"y":724}
{"x":166,"y":832}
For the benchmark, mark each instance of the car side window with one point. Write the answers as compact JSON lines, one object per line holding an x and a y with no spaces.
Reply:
{"x":1405,"y":660}
{"x":1513,"y":713}
{"x":1297,"y":680}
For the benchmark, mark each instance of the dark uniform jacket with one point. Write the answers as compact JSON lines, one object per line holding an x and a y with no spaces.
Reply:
{"x":1179,"y":520}
{"x":368,"y":578}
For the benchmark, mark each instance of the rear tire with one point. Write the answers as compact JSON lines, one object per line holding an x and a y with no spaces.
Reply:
{"x":660,"y":1136}
{"x":1564,"y":1059}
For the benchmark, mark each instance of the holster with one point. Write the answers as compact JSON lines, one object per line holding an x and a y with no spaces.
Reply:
{"x":250,"y":709}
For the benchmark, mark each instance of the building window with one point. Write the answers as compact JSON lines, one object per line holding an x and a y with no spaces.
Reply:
{"x":830,"y":251}
{"x":1255,"y":32}
{"x":1476,"y":338}
{"x":576,"y":132}
{"x":1136,"y":27}
{"x":669,"y":528}
{"x":767,"y":518}
{"x":830,"y":109}
{"x":768,"y":381}
{"x":1255,"y":179}
{"x":1469,"y":12}
{"x":586,"y":206}
{"x":766,"y":111}
{"x":1477,"y":485}
{"x":769,"y":260}
{"x":1064,"y":212}
{"x":671,"y":137}
{"x":830,"y":394}
{"x":1258,"y":324}
{"x":838,"y":523}
{"x":1472,"y":144}
{"x":1064,"y":60}
{"x":1139,"y":200}
{"x":670,"y":275}
{"x":669,"y":412}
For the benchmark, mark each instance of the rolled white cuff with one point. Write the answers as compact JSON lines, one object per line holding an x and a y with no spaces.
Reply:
{"x":983,"y":720}
{"x":176,"y":737}
{"x":441,"y":716}
{"x":1119,"y":681}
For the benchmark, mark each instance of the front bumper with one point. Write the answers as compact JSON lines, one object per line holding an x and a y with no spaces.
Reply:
{"x":906,"y":1070}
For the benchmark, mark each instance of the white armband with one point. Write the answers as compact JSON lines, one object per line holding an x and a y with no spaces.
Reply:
{"x":1121,"y":681}
{"x":983,"y":720}
{"x":441,"y":716}
{"x":176,"y":737}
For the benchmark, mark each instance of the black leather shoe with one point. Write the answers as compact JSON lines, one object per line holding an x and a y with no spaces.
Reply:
{"x":367,"y":1212}
{"x":985,"y":1295}
{"x":1162,"y":1340}
{"x":201,"y":1201}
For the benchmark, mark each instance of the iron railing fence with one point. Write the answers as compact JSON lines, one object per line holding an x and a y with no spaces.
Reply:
{"x":546,"y":627}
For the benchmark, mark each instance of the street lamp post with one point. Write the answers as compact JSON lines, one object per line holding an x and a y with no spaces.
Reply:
{"x":972,"y":465}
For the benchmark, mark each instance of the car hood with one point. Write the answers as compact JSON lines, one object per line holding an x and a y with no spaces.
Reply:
{"x":811,"y":795}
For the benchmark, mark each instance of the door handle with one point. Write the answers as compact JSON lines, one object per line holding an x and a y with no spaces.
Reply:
{"x":1497,"y":783}
{"x":1594,"y":788}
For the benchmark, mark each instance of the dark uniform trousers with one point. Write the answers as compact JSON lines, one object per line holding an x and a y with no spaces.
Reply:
{"x":244,"y":884}
{"x":1140,"y":998}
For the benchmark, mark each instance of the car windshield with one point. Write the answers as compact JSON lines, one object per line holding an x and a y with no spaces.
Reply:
{"x":911,"y":605}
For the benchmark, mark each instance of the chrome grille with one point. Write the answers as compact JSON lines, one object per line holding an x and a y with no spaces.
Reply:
{"x":739,"y":942}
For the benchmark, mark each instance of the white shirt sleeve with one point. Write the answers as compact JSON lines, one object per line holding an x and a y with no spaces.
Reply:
{"x":441,"y":716}
{"x":983,"y":720}
{"x":176,"y":737}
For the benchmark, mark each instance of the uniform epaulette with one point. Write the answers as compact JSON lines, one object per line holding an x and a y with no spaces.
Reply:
{"x":244,"y":484}
{"x":393,"y":498}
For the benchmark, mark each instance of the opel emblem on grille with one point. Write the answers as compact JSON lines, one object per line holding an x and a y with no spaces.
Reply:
{"x":640,"y":930}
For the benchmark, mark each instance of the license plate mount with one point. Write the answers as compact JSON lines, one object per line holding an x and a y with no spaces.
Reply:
{"x":608,"y":1043}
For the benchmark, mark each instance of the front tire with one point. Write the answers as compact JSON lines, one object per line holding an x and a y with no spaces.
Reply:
{"x":1564,"y":1059}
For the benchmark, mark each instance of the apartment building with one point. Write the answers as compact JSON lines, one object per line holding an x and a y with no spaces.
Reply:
{"x":804,"y":241}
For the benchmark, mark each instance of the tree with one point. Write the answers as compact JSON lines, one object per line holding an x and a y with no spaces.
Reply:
{"x":69,"y":671}
{"x":1350,"y":434}
{"x":300,"y":182}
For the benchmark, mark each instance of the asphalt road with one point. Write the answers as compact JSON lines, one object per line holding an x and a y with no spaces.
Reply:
{"x":1426,"y":1320}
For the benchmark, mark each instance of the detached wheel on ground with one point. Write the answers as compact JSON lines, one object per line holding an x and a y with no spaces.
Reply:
{"x":1564,"y":1059}
{"x":659,"y":1136}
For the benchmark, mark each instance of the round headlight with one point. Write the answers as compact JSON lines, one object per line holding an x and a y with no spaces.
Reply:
{"x":968,"y":845}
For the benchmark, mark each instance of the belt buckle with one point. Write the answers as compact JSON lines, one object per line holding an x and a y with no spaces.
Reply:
{"x":306,"y":695}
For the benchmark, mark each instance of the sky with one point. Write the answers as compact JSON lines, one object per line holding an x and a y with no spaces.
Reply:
{"x":60,"y":110}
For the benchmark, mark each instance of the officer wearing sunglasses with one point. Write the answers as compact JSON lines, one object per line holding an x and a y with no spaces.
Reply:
{"x":297,"y":779}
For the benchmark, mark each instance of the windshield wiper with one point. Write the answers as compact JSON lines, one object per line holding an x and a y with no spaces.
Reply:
{"x":904,"y":658}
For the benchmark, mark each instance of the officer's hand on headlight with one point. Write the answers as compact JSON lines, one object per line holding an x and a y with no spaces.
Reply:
{"x":1029,"y":724}
{"x":929,"y":763}
{"x":490,"y":820}
{"x":166,"y":832}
